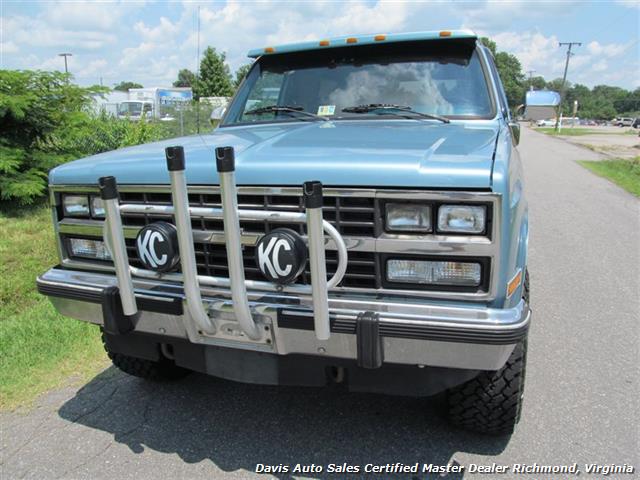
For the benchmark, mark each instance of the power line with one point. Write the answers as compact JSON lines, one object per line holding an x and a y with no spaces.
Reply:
{"x":564,"y":77}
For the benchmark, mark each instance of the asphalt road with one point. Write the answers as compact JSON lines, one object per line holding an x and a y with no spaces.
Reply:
{"x":581,"y":393}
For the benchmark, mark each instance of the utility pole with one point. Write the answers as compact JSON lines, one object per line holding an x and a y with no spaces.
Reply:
{"x":564,"y":78}
{"x":530,"y":72}
{"x":198,"y":76}
{"x":65,"y":55}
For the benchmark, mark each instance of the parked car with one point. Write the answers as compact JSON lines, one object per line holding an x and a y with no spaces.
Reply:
{"x":623,"y":122}
{"x":636,"y":123}
{"x":550,"y":122}
{"x":368,"y":225}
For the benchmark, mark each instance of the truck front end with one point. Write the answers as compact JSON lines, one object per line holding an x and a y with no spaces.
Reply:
{"x":365,"y":225}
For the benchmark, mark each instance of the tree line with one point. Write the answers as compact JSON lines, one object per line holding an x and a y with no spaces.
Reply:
{"x":602,"y":102}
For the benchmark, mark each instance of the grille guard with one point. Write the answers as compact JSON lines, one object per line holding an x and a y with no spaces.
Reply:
{"x":231,"y":215}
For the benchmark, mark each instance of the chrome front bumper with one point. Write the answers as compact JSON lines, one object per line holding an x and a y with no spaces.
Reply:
{"x":412,"y":333}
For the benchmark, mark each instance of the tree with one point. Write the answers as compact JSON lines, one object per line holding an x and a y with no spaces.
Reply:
{"x":510,"y":71}
{"x":215,"y":79}
{"x":490,"y":44}
{"x":186,"y":78}
{"x":46,"y":120}
{"x":241,"y":73}
{"x":125,"y":86}
{"x":556,"y":85}
{"x":35,"y":109}
{"x":538,"y":83}
{"x":512,"y":77}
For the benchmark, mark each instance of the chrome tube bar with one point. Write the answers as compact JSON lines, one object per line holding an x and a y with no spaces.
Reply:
{"x":312,"y":192}
{"x":118,"y":249}
{"x":175,"y":164}
{"x":225,"y":163}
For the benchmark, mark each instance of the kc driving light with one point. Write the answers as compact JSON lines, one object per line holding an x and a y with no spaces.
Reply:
{"x":76,"y":205}
{"x":461,"y":218}
{"x":94,"y":249}
{"x":408,"y":217}
{"x":434,"y":273}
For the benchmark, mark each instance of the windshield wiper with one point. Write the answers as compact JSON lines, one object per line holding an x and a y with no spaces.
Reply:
{"x":391,"y":109}
{"x":285,"y":109}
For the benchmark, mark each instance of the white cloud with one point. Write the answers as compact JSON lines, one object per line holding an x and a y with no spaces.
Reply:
{"x":610,"y":50}
{"x":501,"y":15}
{"x":600,"y":66}
{"x":8,"y":47}
{"x":87,"y":15}
{"x":94,"y":69}
{"x":36,"y":32}
{"x":629,"y":3}
{"x":164,"y":30}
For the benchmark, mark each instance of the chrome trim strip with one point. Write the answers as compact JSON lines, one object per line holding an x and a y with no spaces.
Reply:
{"x":472,"y":316}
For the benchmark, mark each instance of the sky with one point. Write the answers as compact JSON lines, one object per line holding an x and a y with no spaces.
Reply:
{"x":149,"y":41}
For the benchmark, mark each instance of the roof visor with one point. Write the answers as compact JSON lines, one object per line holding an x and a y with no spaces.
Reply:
{"x":363,"y":40}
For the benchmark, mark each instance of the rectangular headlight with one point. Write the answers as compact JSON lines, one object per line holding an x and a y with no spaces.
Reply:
{"x":97,"y":207}
{"x":434,"y":273}
{"x":408,"y":217}
{"x":76,"y":205}
{"x":462,"y":218}
{"x":93,"y":249}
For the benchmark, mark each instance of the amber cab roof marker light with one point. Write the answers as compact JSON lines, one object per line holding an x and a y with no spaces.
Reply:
{"x":380,"y":38}
{"x":269,"y":50}
{"x":352,"y":40}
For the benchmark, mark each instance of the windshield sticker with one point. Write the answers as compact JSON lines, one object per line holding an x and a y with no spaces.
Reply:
{"x":326,"y":110}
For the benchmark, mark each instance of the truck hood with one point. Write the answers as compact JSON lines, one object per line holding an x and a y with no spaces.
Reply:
{"x":368,"y":153}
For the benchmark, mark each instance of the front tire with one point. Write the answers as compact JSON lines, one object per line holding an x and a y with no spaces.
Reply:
{"x":491,"y":403}
{"x":164,"y":369}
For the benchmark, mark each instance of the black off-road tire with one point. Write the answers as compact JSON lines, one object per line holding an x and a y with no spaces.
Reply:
{"x":161,"y":370}
{"x":491,"y":403}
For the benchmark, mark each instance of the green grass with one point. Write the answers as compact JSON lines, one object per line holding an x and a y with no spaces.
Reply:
{"x":39,"y":349}
{"x":570,"y":132}
{"x":625,"y":173}
{"x":577,"y":132}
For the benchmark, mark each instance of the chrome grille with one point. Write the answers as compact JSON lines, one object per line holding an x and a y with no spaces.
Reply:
{"x":351,"y":216}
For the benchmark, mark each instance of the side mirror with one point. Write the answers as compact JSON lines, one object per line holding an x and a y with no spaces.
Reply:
{"x":217,"y":114}
{"x":541,"y":104}
{"x":515,"y":131}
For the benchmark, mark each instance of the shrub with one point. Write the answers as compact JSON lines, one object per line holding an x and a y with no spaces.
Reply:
{"x":46,"y":120}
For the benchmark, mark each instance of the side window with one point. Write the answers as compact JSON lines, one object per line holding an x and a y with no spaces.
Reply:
{"x":504,"y":104}
{"x":265,"y":92}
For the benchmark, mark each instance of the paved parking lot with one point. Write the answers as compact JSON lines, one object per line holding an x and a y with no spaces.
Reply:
{"x":611,"y":142}
{"x":581,"y":395}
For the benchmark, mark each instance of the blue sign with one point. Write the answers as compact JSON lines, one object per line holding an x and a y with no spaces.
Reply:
{"x":168,"y":97}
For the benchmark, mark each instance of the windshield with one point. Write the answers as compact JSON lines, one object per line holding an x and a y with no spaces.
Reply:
{"x":441,"y":78}
{"x":133,"y":108}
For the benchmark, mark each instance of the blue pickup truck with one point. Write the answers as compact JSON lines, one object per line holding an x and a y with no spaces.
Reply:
{"x":357,"y":217}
